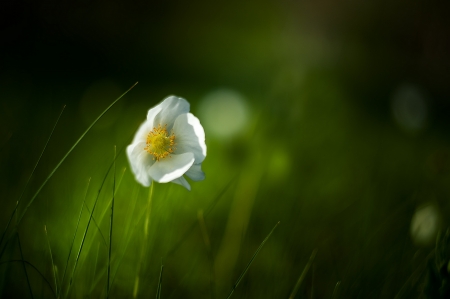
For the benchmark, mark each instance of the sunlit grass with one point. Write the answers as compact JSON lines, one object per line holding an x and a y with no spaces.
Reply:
{"x":107,"y":236}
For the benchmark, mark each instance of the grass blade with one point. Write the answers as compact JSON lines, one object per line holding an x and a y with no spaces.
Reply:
{"x":102,"y":214}
{"x":36,"y":269}
{"x":29,"y":178}
{"x":51,"y":258}
{"x":70,"y":150}
{"x":24,"y":268}
{"x":336,"y":290}
{"x":86,"y":231}
{"x":95,"y":266}
{"x":129,"y":233}
{"x":139,"y":271}
{"x":201,"y":221}
{"x":111,"y":227}
{"x":251,"y":260}
{"x":74,"y":235}
{"x":158,"y":291}
{"x":210,"y":208}
{"x":303,"y":275}
{"x":417,"y":273}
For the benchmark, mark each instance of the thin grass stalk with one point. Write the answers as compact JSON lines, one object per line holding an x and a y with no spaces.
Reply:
{"x":29,"y":178}
{"x":158,"y":291}
{"x":51,"y":258}
{"x":95,"y":265}
{"x":73,"y":239}
{"x":128,"y":234}
{"x":251,"y":260}
{"x":201,"y":221}
{"x":9,"y":238}
{"x":36,"y":269}
{"x":145,"y":240}
{"x":88,"y":246}
{"x":303,"y":275}
{"x":24,"y":268}
{"x":96,"y":225}
{"x":419,"y":270}
{"x":336,"y":290}
{"x":208,"y":210}
{"x":70,"y":150}
{"x":102,"y":214}
{"x":86,"y":231}
{"x":126,"y":243}
{"x":111,"y":226}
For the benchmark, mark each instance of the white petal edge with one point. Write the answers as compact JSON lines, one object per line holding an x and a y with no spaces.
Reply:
{"x":190,"y":136}
{"x":183,"y":182}
{"x":140,"y":162}
{"x":195,"y":173}
{"x":171,"y":108}
{"x":152,"y":113}
{"x":171,"y":167}
{"x":142,"y":132}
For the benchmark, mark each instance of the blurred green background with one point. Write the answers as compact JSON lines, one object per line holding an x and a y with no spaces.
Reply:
{"x":331,"y":117}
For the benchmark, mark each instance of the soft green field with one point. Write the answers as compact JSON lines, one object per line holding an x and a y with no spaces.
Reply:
{"x":326,"y":125}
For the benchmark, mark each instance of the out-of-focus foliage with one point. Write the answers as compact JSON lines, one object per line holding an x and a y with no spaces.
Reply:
{"x":331,"y":117}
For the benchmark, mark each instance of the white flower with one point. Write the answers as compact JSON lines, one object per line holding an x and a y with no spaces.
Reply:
{"x":169,"y":144}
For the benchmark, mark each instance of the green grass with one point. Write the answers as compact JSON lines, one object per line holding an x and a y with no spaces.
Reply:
{"x":344,"y":232}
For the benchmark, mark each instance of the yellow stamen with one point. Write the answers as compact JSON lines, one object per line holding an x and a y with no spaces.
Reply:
{"x":160,"y":143}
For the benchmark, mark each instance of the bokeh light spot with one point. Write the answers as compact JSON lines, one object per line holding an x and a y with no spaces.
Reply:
{"x":224,"y":113}
{"x":409,"y":107}
{"x":425,"y":224}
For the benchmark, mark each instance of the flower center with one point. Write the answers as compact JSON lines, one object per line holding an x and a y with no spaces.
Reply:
{"x":160,"y":143}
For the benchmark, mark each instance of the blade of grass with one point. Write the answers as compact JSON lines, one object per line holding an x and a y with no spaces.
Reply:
{"x":73,"y":239}
{"x":86,"y":231}
{"x":29,"y":178}
{"x":208,"y":210}
{"x":419,"y":271}
{"x":251,"y":260}
{"x":128,"y":234}
{"x":131,"y":219}
{"x":102,"y":214}
{"x":201,"y":221}
{"x":336,"y":290}
{"x":144,"y":245}
{"x":303,"y":275}
{"x":10,"y":237}
{"x":111,"y":227}
{"x":24,"y":268}
{"x":51,"y":258}
{"x":95,"y":265}
{"x":70,"y":150}
{"x":96,"y":225}
{"x":158,"y":291}
{"x":36,"y":269}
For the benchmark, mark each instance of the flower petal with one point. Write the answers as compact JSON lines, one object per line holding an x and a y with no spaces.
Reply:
{"x":140,"y":162}
{"x":190,"y":136}
{"x":141,"y":134}
{"x":171,"y":108}
{"x":183,"y":182}
{"x":170,"y":168}
{"x":151,"y":114}
{"x":195,"y":173}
